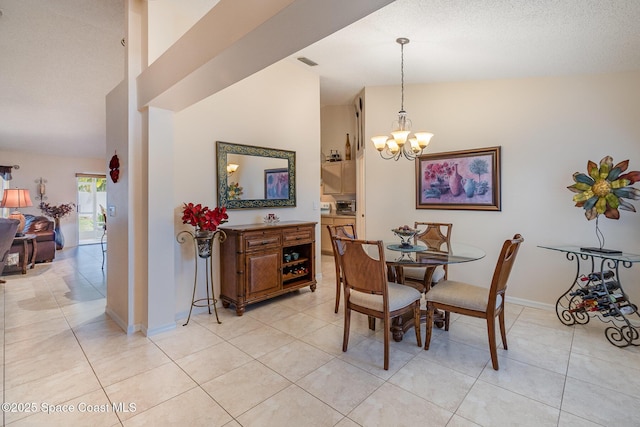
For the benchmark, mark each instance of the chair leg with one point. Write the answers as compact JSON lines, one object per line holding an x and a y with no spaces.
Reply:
{"x":503,"y":330}
{"x":447,"y":316}
{"x":387,"y":326}
{"x":416,"y":322}
{"x":491,"y":329}
{"x":347,"y":324}
{"x":427,"y":338}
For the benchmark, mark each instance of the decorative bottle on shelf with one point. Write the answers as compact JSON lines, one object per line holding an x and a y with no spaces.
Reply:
{"x":347,"y":149}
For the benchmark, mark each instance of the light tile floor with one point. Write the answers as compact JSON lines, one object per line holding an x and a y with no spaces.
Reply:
{"x":281,"y":364}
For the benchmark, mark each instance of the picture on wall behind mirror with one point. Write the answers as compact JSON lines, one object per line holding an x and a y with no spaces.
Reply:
{"x":276,"y":184}
{"x":467,"y":179}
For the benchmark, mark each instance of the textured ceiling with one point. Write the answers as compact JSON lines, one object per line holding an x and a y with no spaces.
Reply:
{"x":454,"y":40}
{"x":60,"y":58}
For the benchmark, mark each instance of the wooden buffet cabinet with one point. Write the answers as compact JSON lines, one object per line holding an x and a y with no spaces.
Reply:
{"x":256,"y":261}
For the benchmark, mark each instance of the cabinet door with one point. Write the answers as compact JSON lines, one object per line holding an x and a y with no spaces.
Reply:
{"x":345,"y":221}
{"x":332,"y":177}
{"x":349,"y":176}
{"x":263,"y":273}
{"x":325,"y":238}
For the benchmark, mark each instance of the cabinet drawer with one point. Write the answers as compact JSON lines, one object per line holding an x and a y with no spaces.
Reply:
{"x":254,"y":241}
{"x":297,"y":235}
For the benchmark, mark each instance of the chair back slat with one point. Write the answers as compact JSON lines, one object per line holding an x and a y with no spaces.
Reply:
{"x":436,"y":236}
{"x":344,"y":230}
{"x":361,"y":271}
{"x":503,"y":269}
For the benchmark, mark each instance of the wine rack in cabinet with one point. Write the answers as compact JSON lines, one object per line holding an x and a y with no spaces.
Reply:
{"x":597,"y":292}
{"x":259,"y":262}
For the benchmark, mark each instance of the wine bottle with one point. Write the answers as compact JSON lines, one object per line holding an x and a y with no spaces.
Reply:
{"x":592,"y":277}
{"x":580,"y":291}
{"x":347,"y":149}
{"x":626,"y":309}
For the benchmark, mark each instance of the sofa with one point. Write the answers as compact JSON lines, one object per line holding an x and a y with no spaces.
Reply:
{"x":43,"y":228}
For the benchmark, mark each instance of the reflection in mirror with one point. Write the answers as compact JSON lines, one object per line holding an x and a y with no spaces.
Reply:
{"x":263,"y":177}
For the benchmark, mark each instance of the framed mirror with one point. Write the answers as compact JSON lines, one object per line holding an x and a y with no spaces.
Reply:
{"x":251,"y":177}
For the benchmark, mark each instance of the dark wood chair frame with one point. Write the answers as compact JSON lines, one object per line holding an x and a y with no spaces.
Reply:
{"x":498,"y":287}
{"x":344,"y":230}
{"x":436,"y":240}
{"x":368,"y":275}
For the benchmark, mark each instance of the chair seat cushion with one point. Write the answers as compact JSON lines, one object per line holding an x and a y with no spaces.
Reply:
{"x":417,"y":273}
{"x":460,"y":294}
{"x":399,"y":296}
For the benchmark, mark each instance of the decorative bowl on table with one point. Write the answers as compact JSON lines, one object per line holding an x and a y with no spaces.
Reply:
{"x":405,"y":233}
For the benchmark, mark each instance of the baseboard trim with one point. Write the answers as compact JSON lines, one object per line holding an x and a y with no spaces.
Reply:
{"x":129,"y":329}
{"x":154,"y":331}
{"x":529,"y":303}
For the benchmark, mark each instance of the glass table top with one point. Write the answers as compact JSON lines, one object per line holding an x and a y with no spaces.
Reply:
{"x":624,"y":256}
{"x":421,"y":255}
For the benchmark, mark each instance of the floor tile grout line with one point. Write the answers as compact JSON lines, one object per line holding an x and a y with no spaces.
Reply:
{"x":86,"y":356}
{"x":572,"y":353}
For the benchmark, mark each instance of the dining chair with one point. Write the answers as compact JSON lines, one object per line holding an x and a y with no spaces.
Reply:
{"x":344,"y":230}
{"x":368,"y":291}
{"x":476,"y":301}
{"x":437,"y":237}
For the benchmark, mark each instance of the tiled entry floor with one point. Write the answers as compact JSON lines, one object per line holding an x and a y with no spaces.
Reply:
{"x":281,"y":364}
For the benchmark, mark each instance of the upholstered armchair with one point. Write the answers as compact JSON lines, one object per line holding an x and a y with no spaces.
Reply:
{"x":8,"y":229}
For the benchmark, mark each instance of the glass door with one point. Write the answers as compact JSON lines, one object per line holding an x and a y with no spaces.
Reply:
{"x":92,"y":203}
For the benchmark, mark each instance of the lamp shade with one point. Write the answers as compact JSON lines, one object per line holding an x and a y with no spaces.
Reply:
{"x":16,"y":198}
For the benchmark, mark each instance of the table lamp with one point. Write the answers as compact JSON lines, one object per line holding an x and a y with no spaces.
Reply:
{"x":16,"y":198}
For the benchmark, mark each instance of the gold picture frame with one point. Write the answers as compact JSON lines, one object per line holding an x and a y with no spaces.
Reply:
{"x":466,"y":179}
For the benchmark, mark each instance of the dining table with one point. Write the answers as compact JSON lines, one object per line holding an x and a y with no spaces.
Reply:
{"x":417,"y":255}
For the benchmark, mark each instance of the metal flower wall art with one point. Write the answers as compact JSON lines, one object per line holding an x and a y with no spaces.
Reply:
{"x":603,"y":189}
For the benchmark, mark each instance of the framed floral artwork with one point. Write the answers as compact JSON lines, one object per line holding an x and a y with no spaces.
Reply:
{"x":466,"y":179}
{"x":276,"y":184}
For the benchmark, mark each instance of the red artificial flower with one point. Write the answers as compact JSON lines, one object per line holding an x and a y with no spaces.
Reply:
{"x":204,"y":218}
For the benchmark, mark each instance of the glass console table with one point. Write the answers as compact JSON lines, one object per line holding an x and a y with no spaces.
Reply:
{"x":597,"y":291}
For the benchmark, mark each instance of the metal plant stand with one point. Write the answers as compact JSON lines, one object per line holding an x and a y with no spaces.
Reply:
{"x":203,"y":245}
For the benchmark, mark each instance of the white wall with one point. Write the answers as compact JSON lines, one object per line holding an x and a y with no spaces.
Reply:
{"x":60,"y":173}
{"x":548,"y":129}
{"x":119,"y":292}
{"x":279,"y":107}
{"x":169,"y":20}
{"x":336,"y":121}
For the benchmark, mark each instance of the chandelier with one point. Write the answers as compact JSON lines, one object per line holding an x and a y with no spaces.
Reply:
{"x":400,"y":144}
